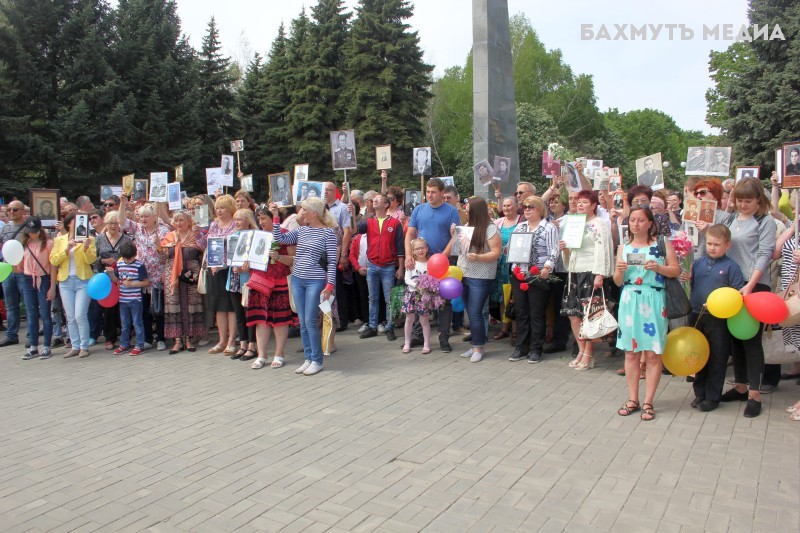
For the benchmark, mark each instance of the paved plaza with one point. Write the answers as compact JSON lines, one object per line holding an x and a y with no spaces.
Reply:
{"x":379,"y":441}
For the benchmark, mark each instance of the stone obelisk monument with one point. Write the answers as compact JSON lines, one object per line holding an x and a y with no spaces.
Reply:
{"x":494,"y":110}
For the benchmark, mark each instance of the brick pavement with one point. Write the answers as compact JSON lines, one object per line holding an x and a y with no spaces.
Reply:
{"x":379,"y":441}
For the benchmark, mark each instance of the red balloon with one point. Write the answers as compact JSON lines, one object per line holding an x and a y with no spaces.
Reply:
{"x":438,"y":264}
{"x":766,"y":307}
{"x":113,"y":297}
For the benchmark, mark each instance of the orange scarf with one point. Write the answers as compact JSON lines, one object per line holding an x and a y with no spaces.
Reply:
{"x":172,"y":240}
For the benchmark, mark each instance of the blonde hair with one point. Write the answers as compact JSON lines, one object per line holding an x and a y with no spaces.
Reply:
{"x":182,"y":213}
{"x":146,"y":210}
{"x":536,"y":202}
{"x":318,"y":206}
{"x":248,"y":214}
{"x":111,"y":216}
{"x":227,"y":202}
{"x":416,"y":242}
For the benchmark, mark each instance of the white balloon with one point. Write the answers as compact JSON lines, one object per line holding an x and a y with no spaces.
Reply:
{"x":12,"y":252}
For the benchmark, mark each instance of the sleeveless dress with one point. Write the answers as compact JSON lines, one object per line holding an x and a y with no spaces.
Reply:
{"x":642,"y":310}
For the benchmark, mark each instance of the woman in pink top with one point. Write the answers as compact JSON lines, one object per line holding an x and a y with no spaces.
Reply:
{"x":40,"y":286}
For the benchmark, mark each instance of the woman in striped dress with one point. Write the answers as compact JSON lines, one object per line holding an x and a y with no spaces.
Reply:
{"x":313,"y":273}
{"x":786,"y":249}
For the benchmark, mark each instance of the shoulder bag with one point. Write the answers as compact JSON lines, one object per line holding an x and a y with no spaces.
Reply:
{"x":202,"y":276}
{"x":676,"y":301}
{"x":776,"y":350}
{"x":597,"y":319}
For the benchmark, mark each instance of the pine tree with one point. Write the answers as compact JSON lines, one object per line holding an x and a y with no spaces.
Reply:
{"x":387,"y":88}
{"x":249,"y":102}
{"x":276,"y":102}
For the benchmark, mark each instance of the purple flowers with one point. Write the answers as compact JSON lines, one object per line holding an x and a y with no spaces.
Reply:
{"x":428,"y":293}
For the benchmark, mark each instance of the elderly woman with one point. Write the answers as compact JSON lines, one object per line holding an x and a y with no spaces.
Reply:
{"x":108,"y":245}
{"x":218,"y":301}
{"x":182,"y":250}
{"x":589,"y":268}
{"x":479,"y":265}
{"x":237,"y":278}
{"x":313,"y":273}
{"x":244,"y":200}
{"x":147,"y":233}
{"x":531,"y":282}
{"x":506,"y":224}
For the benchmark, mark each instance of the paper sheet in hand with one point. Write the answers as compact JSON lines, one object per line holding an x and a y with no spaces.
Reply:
{"x":572,"y":230}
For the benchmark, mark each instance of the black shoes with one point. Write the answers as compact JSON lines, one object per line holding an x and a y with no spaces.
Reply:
{"x":7,"y":342}
{"x":368,"y":333}
{"x":708,"y":405}
{"x":534,"y":357}
{"x":752,"y":409}
{"x":390,"y":336}
{"x":516,"y":356}
{"x":733,"y":395}
{"x":697,"y":401}
{"x":444,"y":344}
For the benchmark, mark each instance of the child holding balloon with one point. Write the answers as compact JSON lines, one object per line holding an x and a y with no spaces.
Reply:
{"x":422,"y":296}
{"x":709,"y":273}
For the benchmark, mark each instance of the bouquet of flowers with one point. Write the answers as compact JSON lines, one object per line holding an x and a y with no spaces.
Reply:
{"x":684,"y":250}
{"x":559,"y":152}
{"x":427,"y":294}
{"x":527,"y":276}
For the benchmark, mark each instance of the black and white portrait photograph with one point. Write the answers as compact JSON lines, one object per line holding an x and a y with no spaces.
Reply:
{"x":139,"y":190}
{"x":44,"y":204}
{"x":280,"y":189}
{"x":614,"y":182}
{"x":421,"y":161}
{"x":619,"y":200}
{"x":259,"y":250}
{"x":246,"y":183}
{"x":158,"y":186}
{"x":237,"y":146}
{"x":201,"y":216}
{"x":110,"y":190}
{"x":519,"y":247}
{"x":383,"y":157}
{"x":226,"y":164}
{"x":590,"y":166}
{"x":502,"y":168}
{"x":233,"y":240}
{"x":649,"y":171}
{"x":448,"y":180}
{"x":791,"y":170}
{"x":81,"y":226}
{"x":216,"y":252}
{"x":696,"y":161}
{"x":412,"y":199}
{"x":623,"y":233}
{"x":343,"y":149}
{"x":484,"y":172}
{"x":303,"y":190}
{"x":174,"y":195}
{"x":573,"y":180}
{"x":301,"y":172}
{"x":179,"y":173}
{"x":747,"y":172}
{"x":214,"y":182}
{"x":242,"y":248}
{"x":718,"y":161}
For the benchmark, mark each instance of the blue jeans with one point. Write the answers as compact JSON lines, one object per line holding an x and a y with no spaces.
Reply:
{"x":131,"y":313}
{"x":476,"y":295}
{"x":37,"y":306}
{"x":306,"y":299}
{"x":76,"y":306}
{"x":13,"y":292}
{"x":380,"y":277}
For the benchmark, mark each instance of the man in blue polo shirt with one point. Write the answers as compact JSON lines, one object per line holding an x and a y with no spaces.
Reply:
{"x":431,"y":221}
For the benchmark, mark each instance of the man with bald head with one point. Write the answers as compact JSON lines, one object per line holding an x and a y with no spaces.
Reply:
{"x":14,"y":284}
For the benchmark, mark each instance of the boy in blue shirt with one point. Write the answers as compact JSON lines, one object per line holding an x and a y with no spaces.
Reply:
{"x":710,"y":272}
{"x":132,"y":277}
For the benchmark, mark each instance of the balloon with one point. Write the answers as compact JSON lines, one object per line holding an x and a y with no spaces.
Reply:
{"x":742,"y":325}
{"x":99,"y":286}
{"x":113,"y":297}
{"x":458,"y":304}
{"x":454,"y":272}
{"x":724,"y":302}
{"x":5,"y":271}
{"x":766,"y":307}
{"x":686,"y":351}
{"x":438,"y":265}
{"x":450,"y":288}
{"x":12,"y":252}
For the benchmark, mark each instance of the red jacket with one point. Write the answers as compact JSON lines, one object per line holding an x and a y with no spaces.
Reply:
{"x":386,"y":244}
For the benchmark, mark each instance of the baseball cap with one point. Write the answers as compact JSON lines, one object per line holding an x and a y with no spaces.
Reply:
{"x":32,"y":225}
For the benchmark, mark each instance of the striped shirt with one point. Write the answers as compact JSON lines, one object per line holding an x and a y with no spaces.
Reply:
{"x":135,"y":271}
{"x":544,"y":247}
{"x":312,"y":245}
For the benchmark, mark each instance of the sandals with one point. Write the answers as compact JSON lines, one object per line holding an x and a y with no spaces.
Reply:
{"x":425,"y":350}
{"x":189,"y":346}
{"x":277,"y":362}
{"x":239,"y":353}
{"x":406,"y":349}
{"x":628,"y":409}
{"x":648,"y":413}
{"x":248,"y":355}
{"x":500,"y":335}
{"x":216,"y":349}
{"x":583,"y":365}
{"x":574,"y":362}
{"x":178,"y":347}
{"x":230,"y":350}
{"x":258,"y":363}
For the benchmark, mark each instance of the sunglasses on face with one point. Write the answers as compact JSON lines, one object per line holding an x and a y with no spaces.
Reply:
{"x":530,"y":207}
{"x":93,"y":217}
{"x":701,"y":192}
{"x":109,"y":204}
{"x":14,"y":209}
{"x":518,"y":193}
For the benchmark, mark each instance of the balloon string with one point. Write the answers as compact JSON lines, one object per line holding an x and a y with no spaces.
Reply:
{"x":703,"y":310}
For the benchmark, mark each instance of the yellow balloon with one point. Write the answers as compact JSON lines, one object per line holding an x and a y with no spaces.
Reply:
{"x":454,"y":272}
{"x":724,"y":302}
{"x":686,"y":351}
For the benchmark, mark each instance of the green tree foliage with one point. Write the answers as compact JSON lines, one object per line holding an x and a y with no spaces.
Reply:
{"x":535,"y":130}
{"x":387,"y":86}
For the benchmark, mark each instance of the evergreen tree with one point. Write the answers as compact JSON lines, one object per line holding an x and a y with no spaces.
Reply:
{"x":249,"y":102}
{"x":275,"y":107}
{"x":387,"y":88}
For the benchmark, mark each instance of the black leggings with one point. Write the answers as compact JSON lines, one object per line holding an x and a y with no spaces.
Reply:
{"x":748,"y":356}
{"x":246,"y":333}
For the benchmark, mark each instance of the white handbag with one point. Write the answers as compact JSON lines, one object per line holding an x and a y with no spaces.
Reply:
{"x":776,"y":350}
{"x":597,"y":319}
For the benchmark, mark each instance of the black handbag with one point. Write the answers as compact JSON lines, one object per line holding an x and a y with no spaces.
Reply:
{"x":676,"y":301}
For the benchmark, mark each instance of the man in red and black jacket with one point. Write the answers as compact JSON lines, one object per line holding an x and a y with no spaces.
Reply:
{"x":385,"y":248}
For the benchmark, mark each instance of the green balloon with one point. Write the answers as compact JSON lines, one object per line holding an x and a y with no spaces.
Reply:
{"x":5,"y":271}
{"x":742,"y":325}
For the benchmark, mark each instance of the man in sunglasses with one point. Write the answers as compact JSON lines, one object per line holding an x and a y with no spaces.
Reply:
{"x":14,"y":284}
{"x":111,"y":203}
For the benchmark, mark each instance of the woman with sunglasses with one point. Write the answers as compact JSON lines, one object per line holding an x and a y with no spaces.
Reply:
{"x":708,"y":189}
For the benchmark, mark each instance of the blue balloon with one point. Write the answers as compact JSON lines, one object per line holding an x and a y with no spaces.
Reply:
{"x":99,"y":286}
{"x":458,"y":304}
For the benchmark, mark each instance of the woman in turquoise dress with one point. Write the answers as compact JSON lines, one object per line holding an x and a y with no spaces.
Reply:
{"x":506,"y":224}
{"x":641,"y":271}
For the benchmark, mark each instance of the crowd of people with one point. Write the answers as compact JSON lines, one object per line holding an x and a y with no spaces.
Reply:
{"x":360,"y":252}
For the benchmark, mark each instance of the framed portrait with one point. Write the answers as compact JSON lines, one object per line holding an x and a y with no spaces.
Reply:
{"x":246,"y":183}
{"x":421,"y":161}
{"x":484,"y":172}
{"x":140,"y":190}
{"x":550,"y":167}
{"x":280,"y":188}
{"x":623,"y":233}
{"x":448,"y":180}
{"x":791,"y":165}
{"x":691,"y":210}
{"x":343,"y":149}
{"x":303,"y":190}
{"x":127,"y":185}
{"x":412,"y":199}
{"x":233,"y":240}
{"x":574,"y":183}
{"x":242,"y":248}
{"x":383,"y":157}
{"x":614,"y":183}
{"x":259,"y":250}
{"x":226,"y":164}
{"x":708,"y":209}
{"x":44,"y":204}
{"x":718,"y":160}
{"x":201,"y":216}
{"x":502,"y":168}
{"x":650,"y":172}
{"x":110,"y":190}
{"x":237,"y":146}
{"x":747,"y":172}
{"x":174,"y":195}
{"x":81,"y":226}
{"x":619,"y":200}
{"x":179,"y":173}
{"x":519,"y":248}
{"x":216,"y":250}
{"x":696,"y":161}
{"x":158,"y":186}
{"x":214,"y":182}
{"x":600,"y":180}
{"x":301,"y":172}
{"x":461,"y":240}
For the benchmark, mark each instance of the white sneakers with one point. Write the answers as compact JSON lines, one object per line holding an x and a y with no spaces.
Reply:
{"x":468,"y":353}
{"x":302,"y":368}
{"x":476,"y":357}
{"x":308,"y":368}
